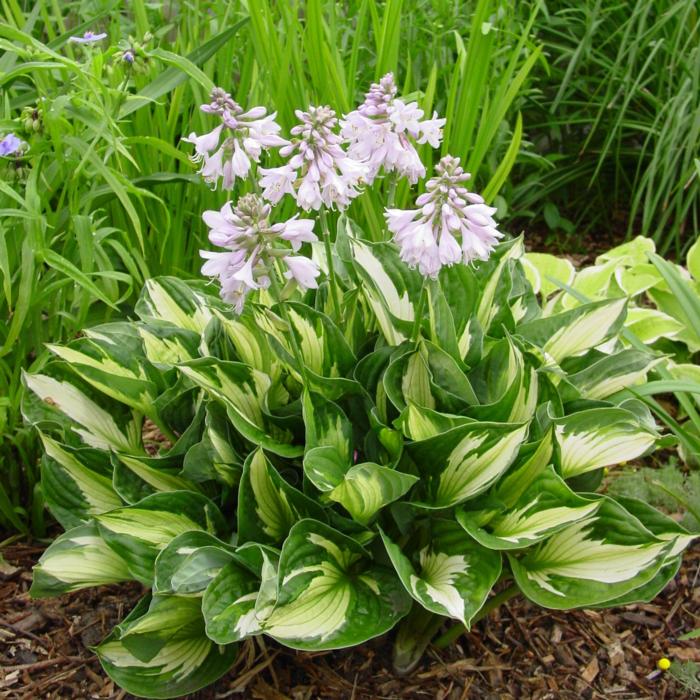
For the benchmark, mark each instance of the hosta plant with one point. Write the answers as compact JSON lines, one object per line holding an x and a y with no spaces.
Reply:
{"x":356,"y":436}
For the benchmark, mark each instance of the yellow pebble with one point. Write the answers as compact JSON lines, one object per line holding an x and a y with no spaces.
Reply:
{"x":663,"y":664}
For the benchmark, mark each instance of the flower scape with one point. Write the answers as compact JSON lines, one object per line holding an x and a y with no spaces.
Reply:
{"x":357,"y":436}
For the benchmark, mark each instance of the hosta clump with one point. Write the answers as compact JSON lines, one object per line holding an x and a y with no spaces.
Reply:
{"x":341,"y":445}
{"x":183,"y":451}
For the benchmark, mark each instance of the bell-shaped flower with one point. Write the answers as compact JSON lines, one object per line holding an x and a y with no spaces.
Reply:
{"x":229,"y":150}
{"x":319,"y":172}
{"x":381,"y":132}
{"x":252,"y":246}
{"x":449,"y":225}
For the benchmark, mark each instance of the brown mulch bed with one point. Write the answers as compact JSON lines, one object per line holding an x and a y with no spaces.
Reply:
{"x":520,"y":651}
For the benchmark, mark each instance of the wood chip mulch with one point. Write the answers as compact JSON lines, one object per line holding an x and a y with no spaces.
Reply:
{"x":520,"y":651}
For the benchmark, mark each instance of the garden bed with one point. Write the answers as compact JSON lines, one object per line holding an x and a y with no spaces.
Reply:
{"x":520,"y":651}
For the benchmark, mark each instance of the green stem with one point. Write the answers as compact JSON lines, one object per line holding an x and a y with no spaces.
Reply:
{"x":329,"y":258}
{"x":415,"y":333}
{"x":391,"y":196}
{"x":457,"y":630}
{"x":277,"y":294}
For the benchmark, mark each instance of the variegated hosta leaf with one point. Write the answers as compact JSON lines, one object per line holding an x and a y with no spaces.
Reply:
{"x":79,"y":558}
{"x":547,"y":506}
{"x":495,"y":280}
{"x":99,"y":421}
{"x":327,"y":358}
{"x":330,"y":593}
{"x":326,"y":425}
{"x":161,"y":650}
{"x":366,"y":488}
{"x":139,"y":532}
{"x":389,"y":287}
{"x":76,"y":482}
{"x":268,"y":506}
{"x":418,"y":423}
{"x":183,"y":304}
{"x":229,"y":603}
{"x":598,"y":379}
{"x":452,"y":575}
{"x":429,"y":378}
{"x":167,"y":345}
{"x":542,"y":268}
{"x":665,"y":529}
{"x":600,"y":437}
{"x":243,"y":391}
{"x":573,"y":332}
{"x":505,"y":386}
{"x":592,"y":561}
{"x":465,"y":461}
{"x":140,"y":476}
{"x":461,"y":292}
{"x":216,"y":457}
{"x":190,"y":562}
{"x":111,"y":358}
{"x":250,"y":341}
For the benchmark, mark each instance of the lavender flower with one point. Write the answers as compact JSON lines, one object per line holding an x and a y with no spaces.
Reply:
{"x":252,"y":244}
{"x":245,"y":136}
{"x":380,"y":130}
{"x":88,"y":38}
{"x":429,"y":236}
{"x":319,"y":172}
{"x":10,"y":145}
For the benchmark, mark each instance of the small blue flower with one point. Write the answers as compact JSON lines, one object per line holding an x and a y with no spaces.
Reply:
{"x":10,"y":145}
{"x":88,"y":38}
{"x":128,"y":57}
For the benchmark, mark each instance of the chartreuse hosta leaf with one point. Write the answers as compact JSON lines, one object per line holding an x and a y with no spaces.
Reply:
{"x":180,"y":303}
{"x":190,"y":562}
{"x":597,"y":559}
{"x":79,"y":558}
{"x":330,"y":593}
{"x":100,"y":422}
{"x":546,"y":506}
{"x":648,"y":325}
{"x":542,"y":268}
{"x":161,"y":650}
{"x":465,"y":461}
{"x":76,"y":482}
{"x":572,"y":332}
{"x":243,"y":390}
{"x":390,"y":288}
{"x":609,"y":374}
{"x":451,"y":575}
{"x":139,"y":532}
{"x":268,"y":505}
{"x":600,"y":437}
